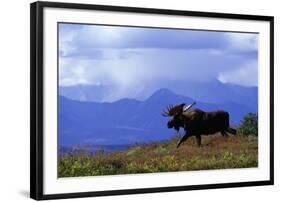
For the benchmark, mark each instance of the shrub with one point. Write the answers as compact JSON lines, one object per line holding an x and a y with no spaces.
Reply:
{"x":249,"y":125}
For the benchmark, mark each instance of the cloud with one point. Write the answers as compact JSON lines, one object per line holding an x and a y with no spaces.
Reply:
{"x":131,"y":59}
{"x":85,"y":38}
{"x":243,"y":42}
{"x":245,"y":74}
{"x":149,"y":65}
{"x":92,"y":40}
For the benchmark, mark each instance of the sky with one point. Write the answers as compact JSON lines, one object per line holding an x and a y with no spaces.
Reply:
{"x":131,"y":58}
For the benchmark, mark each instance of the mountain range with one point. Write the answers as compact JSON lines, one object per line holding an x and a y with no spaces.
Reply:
{"x":129,"y":121}
{"x":212,"y":91}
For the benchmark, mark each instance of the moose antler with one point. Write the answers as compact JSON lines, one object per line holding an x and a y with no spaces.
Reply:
{"x":168,"y":111}
{"x":173,"y":110}
{"x":188,"y":107}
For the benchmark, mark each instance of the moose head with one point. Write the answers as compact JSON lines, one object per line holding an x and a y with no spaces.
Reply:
{"x":176,"y":112}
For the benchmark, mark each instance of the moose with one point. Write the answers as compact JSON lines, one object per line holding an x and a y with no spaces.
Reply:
{"x":197,"y":122}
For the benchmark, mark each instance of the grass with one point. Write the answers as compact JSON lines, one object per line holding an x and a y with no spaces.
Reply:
{"x":216,"y":152}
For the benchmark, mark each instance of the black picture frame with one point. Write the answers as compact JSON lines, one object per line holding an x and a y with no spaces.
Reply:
{"x":37,"y":103}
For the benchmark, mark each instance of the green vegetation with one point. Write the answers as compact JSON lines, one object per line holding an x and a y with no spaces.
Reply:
{"x":249,"y":125}
{"x":216,"y":152}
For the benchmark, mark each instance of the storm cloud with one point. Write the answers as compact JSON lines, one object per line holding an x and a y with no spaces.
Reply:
{"x":133,"y":58}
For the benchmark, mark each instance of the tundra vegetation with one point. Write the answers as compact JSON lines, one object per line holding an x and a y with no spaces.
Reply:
{"x":216,"y":152}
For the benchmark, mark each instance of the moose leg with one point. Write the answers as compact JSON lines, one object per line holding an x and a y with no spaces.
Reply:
{"x":184,"y":138}
{"x":224,"y":133}
{"x":198,"y":140}
{"x":178,"y":132}
{"x":231,"y":131}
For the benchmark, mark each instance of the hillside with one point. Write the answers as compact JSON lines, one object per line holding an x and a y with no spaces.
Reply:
{"x":217,"y":152}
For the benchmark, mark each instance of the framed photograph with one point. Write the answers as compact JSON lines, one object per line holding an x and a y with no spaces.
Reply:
{"x":129,"y":100}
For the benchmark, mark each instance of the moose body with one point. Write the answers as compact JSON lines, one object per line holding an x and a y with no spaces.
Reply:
{"x":198,"y":122}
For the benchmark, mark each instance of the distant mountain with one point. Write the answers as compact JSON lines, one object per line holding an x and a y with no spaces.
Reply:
{"x":126,"y":121}
{"x":217,"y":92}
{"x":83,"y":92}
{"x":211,"y":92}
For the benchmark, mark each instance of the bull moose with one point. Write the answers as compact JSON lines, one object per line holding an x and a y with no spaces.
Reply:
{"x":197,"y":122}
